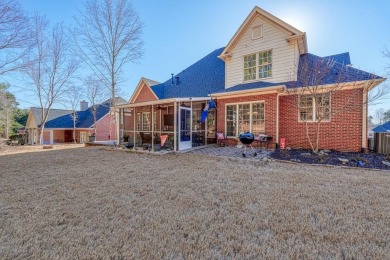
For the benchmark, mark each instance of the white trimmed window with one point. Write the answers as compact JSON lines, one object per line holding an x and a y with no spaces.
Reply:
{"x":258,"y":66}
{"x":313,"y":108}
{"x":245,"y":117}
{"x":250,"y":67}
{"x":146,"y":121}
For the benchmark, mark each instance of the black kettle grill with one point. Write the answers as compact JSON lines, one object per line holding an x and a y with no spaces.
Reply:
{"x":247,"y":139}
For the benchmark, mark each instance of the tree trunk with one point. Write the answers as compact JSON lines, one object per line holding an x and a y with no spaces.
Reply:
{"x":308,"y":136}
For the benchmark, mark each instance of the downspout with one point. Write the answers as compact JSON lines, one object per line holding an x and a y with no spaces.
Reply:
{"x":134,"y":127}
{"x":175,"y":126}
{"x":277,"y":120}
{"x":364,"y":123}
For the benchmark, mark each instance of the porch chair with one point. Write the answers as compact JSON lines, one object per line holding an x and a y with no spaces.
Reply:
{"x":221,"y":140}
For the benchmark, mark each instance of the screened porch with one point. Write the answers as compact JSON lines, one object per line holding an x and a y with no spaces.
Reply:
{"x":171,"y":125}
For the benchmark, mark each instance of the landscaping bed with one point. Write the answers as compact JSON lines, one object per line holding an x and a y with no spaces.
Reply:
{"x":336,"y":158}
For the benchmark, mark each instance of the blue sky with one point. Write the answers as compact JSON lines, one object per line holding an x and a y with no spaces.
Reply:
{"x":178,"y":33}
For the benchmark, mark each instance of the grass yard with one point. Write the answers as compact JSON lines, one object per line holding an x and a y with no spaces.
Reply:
{"x":95,"y":203}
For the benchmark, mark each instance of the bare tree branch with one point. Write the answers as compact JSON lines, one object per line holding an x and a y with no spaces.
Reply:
{"x":108,"y":36}
{"x":318,"y":81}
{"x":16,"y":37}
{"x":54,"y":67}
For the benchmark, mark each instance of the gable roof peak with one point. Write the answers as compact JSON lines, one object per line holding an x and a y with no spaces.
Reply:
{"x":295,"y":34}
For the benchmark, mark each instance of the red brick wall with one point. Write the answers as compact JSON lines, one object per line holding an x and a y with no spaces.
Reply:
{"x":144,"y":95}
{"x":343,"y":132}
{"x":103,"y":130}
{"x":46,"y":136}
{"x":269,"y":106}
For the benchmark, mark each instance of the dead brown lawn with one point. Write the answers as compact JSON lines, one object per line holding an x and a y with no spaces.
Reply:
{"x":94,"y":203}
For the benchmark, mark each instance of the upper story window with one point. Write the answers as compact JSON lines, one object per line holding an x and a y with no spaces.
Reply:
{"x":258,"y":66}
{"x":250,"y":67}
{"x":314,"y":108}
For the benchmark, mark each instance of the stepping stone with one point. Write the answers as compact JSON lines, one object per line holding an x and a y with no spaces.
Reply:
{"x":386,"y":163}
{"x":343,"y":160}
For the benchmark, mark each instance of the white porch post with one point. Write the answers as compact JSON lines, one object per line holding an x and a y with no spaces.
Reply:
{"x":51,"y":136}
{"x":175,"y":136}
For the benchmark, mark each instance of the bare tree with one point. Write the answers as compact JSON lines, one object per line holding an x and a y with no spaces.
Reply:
{"x":321,"y":78}
{"x":108,"y":36}
{"x":52,"y":72}
{"x":95,"y":94}
{"x":15,"y":36}
{"x":72,"y":98}
{"x":379,"y":115}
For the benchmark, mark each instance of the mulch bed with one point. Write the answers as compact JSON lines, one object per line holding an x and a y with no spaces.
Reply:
{"x":370,"y":160}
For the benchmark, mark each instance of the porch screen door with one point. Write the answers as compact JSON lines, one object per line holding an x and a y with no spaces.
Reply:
{"x":185,"y":128}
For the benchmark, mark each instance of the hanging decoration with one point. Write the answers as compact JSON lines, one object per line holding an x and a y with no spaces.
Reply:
{"x":211,"y":104}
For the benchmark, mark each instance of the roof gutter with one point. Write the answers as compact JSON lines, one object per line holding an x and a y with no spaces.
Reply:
{"x":162,"y":101}
{"x":249,"y":91}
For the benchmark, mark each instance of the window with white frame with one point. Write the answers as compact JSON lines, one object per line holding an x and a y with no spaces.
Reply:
{"x":146,"y":121}
{"x":245,"y":117}
{"x":314,"y":108}
{"x":139,"y":120}
{"x":250,"y":67}
{"x":258,"y":65}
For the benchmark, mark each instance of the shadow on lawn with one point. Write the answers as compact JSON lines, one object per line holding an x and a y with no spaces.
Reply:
{"x":328,"y":157}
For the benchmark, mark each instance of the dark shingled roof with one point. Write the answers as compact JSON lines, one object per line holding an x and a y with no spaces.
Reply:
{"x":314,"y":70}
{"x":207,"y":76}
{"x":342,"y":58}
{"x":53,"y":114}
{"x":199,"y":80}
{"x":248,"y":86}
{"x":382,"y":128}
{"x":84,"y":118}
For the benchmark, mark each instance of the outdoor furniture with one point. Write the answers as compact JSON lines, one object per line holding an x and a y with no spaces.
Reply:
{"x":221,"y":139}
{"x":196,"y":139}
{"x":263,"y":139}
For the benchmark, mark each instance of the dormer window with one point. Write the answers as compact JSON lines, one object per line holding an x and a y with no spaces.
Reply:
{"x":258,"y":66}
{"x":257,"y":32}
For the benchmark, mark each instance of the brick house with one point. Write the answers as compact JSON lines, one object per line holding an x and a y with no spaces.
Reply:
{"x":262,"y":82}
{"x":59,"y":126}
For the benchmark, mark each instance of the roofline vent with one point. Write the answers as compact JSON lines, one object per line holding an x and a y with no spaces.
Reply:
{"x":172,"y":78}
{"x":177,"y":78}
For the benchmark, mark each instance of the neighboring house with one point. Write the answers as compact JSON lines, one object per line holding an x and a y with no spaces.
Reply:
{"x":250,"y":81}
{"x":59,"y":126}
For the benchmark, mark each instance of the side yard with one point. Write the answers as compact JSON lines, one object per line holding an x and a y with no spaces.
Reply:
{"x":91,"y":202}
